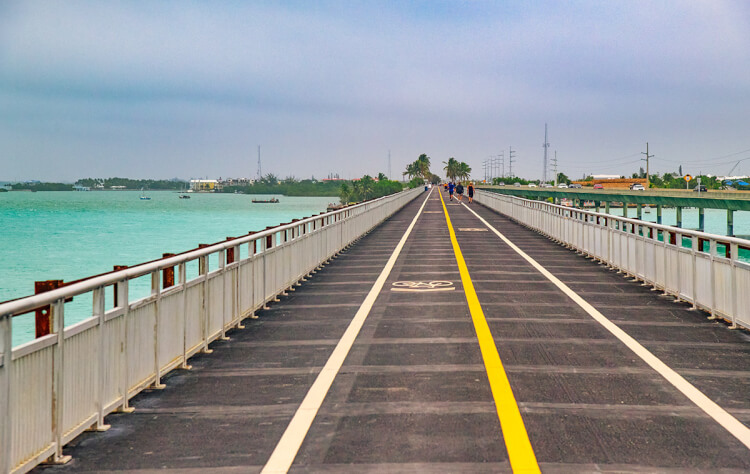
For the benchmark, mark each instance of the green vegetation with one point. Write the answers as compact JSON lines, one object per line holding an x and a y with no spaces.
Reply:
{"x":674,"y":181}
{"x":107,"y":183}
{"x":509,"y":180}
{"x":367,"y":188}
{"x":270,"y":184}
{"x":42,"y":187}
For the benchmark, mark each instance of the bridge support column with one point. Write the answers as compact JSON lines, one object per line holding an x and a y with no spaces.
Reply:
{"x":730,"y":222}
{"x":639,"y":211}
{"x":606,"y":207}
{"x":624,"y":209}
{"x":678,"y":210}
{"x":658,"y":213}
{"x":597,"y":204}
{"x":701,"y":219}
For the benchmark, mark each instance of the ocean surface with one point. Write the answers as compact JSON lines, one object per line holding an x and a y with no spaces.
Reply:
{"x":72,"y":235}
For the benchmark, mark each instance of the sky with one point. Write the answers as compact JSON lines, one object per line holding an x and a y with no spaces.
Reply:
{"x":189,"y":89}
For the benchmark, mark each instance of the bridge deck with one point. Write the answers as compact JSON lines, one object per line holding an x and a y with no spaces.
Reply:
{"x":412,"y":394}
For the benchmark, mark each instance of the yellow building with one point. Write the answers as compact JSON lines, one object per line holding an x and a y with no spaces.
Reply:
{"x":204,"y":185}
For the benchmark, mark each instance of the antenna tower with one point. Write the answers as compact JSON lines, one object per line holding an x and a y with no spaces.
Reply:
{"x":260,"y":175}
{"x":545,"y":145}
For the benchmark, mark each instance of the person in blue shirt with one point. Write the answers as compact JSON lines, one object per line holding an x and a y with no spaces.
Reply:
{"x":451,"y":187}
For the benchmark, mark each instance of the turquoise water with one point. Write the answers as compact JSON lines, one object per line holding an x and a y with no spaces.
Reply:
{"x":71,"y":235}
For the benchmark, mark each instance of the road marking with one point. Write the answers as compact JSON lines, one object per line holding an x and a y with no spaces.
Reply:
{"x":471,"y":229}
{"x":286,"y":450}
{"x":421,"y":286}
{"x":711,"y":408}
{"x":520,"y":452}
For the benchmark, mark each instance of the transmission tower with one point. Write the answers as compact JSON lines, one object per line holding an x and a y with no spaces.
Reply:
{"x":501,"y":164}
{"x":510,"y":162}
{"x":554,"y":165}
{"x":545,"y":145}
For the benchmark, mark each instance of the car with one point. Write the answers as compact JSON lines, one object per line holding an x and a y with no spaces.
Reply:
{"x":575,"y":186}
{"x":701,"y":188}
{"x":637,"y":187}
{"x":598,"y":186}
{"x":501,"y":183}
{"x":562,"y":185}
{"x":546,"y":185}
{"x":518,"y":185}
{"x":532,"y":185}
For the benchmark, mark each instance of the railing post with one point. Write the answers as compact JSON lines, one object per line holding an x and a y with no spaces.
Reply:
{"x":58,"y":381}
{"x":122,"y":301}
{"x":182,"y":275}
{"x":167,"y":273}
{"x":203,"y":271}
{"x":42,"y":315}
{"x":694,"y":249}
{"x":6,"y":350}
{"x":99,"y":309}
{"x":156,"y":291}
{"x":223,"y":260}
{"x":735,"y":249}
{"x":712,"y":248}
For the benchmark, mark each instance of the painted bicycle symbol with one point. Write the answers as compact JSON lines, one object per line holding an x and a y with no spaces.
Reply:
{"x":435,"y":285}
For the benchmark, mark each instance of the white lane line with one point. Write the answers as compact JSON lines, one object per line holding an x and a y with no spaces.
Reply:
{"x":721,"y":416}
{"x":286,"y":450}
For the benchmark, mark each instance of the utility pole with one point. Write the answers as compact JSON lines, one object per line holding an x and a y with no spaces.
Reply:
{"x":648,"y":176}
{"x":389,"y":164}
{"x":554,"y":164}
{"x":259,"y":171}
{"x":510,"y":162}
{"x":545,"y":145}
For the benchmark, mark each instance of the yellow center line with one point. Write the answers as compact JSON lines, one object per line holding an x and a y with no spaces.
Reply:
{"x":520,"y":452}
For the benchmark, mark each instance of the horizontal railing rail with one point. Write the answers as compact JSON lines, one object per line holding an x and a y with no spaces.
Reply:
{"x":700,"y":268}
{"x":59,"y":385}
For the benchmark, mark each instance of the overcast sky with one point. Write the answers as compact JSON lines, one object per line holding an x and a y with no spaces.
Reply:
{"x":190,"y":89}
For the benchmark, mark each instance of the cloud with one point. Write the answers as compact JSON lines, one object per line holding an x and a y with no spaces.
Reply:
{"x":161,"y":86}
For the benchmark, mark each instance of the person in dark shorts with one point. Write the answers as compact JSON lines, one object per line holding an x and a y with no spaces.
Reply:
{"x":459,"y":190}
{"x":470,"y":190}
{"x":450,"y":189}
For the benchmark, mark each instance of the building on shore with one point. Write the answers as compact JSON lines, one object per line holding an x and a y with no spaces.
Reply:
{"x":205,"y":185}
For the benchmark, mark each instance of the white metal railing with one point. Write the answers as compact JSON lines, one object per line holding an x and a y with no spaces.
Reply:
{"x":703,"y":269}
{"x":59,"y":385}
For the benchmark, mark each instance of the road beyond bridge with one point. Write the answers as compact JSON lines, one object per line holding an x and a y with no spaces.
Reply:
{"x":449,"y":339}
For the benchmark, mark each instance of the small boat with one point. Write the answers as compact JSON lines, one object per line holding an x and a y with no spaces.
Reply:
{"x":647,"y":209}
{"x":143,"y":196}
{"x":265,"y":201}
{"x":184,"y":196}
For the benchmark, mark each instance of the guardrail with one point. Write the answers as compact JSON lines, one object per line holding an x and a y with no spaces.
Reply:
{"x":697,"y":267}
{"x":57,"y":386}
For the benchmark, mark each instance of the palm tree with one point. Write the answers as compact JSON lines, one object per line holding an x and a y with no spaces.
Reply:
{"x":412,"y":170}
{"x":367,"y":186}
{"x":451,"y":168}
{"x":423,"y":165}
{"x":345,"y":193}
{"x":464,"y":171}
